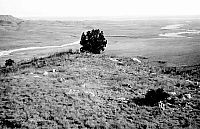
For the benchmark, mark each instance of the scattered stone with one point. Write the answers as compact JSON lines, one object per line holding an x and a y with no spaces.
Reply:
{"x":61,"y":79}
{"x":114,"y":59}
{"x":161,"y":105}
{"x":172,"y":93}
{"x":53,"y":70}
{"x":73,"y":91}
{"x":45,"y":73}
{"x":137,"y":60}
{"x":120,"y":63}
{"x":190,"y":82}
{"x":184,"y":98}
{"x":197,"y":84}
{"x":142,"y":57}
{"x":188,"y":96}
{"x":122,"y":99}
{"x":37,"y":76}
{"x":153,"y":74}
{"x":92,"y":94}
{"x":83,"y":86}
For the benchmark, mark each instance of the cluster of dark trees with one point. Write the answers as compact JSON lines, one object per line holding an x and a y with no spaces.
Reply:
{"x":93,"y":42}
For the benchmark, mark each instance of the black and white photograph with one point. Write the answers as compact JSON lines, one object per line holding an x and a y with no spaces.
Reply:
{"x":99,"y":64}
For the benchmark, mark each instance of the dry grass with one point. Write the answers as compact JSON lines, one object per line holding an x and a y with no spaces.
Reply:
{"x":94,"y":91}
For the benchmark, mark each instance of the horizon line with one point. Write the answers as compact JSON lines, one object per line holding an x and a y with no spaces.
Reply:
{"x":111,"y":17}
{"x":122,"y":17}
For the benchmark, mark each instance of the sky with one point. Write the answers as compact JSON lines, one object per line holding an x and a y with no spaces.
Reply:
{"x":98,"y":8}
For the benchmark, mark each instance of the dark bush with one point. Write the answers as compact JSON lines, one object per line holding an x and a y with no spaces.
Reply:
{"x":93,"y":42}
{"x":152,"y":97}
{"x":9,"y":62}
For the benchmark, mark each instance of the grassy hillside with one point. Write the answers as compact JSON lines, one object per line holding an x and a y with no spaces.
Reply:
{"x":8,"y":22}
{"x":71,"y":90}
{"x":9,"y":18}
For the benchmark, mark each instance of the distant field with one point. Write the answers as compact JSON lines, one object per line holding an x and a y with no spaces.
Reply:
{"x":125,"y":38}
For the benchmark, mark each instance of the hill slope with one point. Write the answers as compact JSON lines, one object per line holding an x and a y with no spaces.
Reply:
{"x":9,"y":18}
{"x":8,"y":22}
{"x":95,"y":91}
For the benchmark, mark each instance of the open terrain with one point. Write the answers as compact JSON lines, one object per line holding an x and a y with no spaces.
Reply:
{"x":172,"y":40}
{"x":138,"y":82}
{"x":72,"y":90}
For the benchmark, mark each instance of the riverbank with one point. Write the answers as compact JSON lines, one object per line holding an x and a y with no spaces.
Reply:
{"x":8,"y":52}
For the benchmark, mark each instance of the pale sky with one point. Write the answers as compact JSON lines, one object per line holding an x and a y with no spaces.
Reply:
{"x":88,"y":8}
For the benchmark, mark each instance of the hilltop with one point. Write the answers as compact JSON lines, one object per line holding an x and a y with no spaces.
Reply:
{"x":8,"y":22}
{"x":9,"y":18}
{"x":72,"y":90}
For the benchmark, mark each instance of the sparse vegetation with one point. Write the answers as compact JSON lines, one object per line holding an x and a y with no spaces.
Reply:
{"x":95,"y":91}
{"x":9,"y":62}
{"x":72,"y":90}
{"x":93,"y":42}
